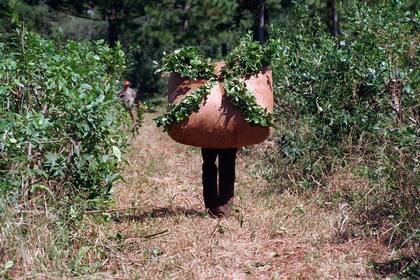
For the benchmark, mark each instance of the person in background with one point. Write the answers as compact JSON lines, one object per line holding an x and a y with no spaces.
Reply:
{"x":129,"y":98}
{"x":218,"y":201}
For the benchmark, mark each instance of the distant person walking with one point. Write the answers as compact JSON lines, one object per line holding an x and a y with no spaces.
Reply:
{"x":218,"y":200}
{"x":129,"y":98}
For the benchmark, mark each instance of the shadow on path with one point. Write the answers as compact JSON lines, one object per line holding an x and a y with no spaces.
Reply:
{"x":404,"y":267}
{"x":160,"y":212}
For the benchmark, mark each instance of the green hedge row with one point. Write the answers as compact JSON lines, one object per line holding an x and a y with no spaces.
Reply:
{"x":352,"y":101}
{"x":60,"y":121}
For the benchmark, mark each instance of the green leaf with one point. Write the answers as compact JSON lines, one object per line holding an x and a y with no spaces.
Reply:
{"x":117,"y":153}
{"x":86,"y":86}
{"x":8,"y":265}
{"x":112,"y":178}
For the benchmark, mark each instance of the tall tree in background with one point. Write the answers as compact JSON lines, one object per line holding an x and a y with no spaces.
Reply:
{"x":333,"y":18}
{"x":171,"y":24}
{"x":112,"y":26}
{"x":258,"y":15}
{"x":115,"y":12}
{"x":147,"y":28}
{"x":261,"y":22}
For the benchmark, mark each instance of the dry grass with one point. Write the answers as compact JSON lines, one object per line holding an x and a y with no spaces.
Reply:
{"x":270,"y":236}
{"x":164,"y":232}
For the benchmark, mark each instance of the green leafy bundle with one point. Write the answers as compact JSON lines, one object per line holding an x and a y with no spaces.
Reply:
{"x":189,"y":63}
{"x":180,"y":112}
{"x":248,"y":58}
{"x":245,"y":101}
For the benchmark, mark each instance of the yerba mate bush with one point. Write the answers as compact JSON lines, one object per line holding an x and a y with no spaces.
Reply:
{"x":60,"y":122}
{"x":352,"y":102}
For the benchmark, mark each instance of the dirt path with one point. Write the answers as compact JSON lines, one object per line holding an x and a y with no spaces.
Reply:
{"x":167,"y":234}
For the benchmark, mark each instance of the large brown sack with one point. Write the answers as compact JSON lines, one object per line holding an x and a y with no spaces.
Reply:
{"x":219,"y":124}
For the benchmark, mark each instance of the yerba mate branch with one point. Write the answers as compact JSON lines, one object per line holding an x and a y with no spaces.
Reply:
{"x":191,"y":103}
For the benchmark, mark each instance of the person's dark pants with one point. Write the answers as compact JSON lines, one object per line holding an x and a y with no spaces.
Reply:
{"x":212,"y":196}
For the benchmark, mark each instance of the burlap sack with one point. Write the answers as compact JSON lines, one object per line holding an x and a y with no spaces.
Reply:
{"x":218,"y":124}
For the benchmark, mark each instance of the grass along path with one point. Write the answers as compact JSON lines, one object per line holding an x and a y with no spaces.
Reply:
{"x":166,"y":234}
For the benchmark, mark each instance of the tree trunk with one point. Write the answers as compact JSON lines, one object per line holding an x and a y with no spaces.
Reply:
{"x":112,"y":27}
{"x":186,"y":9}
{"x":333,"y":18}
{"x":261,"y":22}
{"x":224,"y":49}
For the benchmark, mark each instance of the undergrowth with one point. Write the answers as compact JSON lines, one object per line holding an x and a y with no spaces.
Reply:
{"x":351,"y":103}
{"x":60,"y":127}
{"x":61,"y":146}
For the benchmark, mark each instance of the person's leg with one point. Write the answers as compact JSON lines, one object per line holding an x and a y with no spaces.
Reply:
{"x":133,"y":111}
{"x":226,"y":178}
{"x":134,"y":115}
{"x":209,"y":177}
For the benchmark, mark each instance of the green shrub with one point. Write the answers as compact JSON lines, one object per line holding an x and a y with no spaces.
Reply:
{"x":60,"y":121}
{"x":352,"y":98}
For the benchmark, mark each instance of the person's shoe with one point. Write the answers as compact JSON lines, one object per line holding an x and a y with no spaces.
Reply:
{"x":225,"y":209}
{"x":214,"y":212}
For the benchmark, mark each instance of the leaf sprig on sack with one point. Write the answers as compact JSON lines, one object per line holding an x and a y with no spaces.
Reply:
{"x":248,"y":58}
